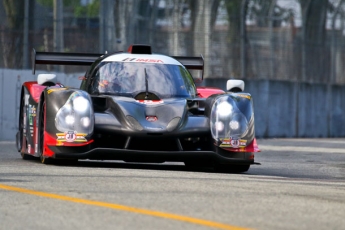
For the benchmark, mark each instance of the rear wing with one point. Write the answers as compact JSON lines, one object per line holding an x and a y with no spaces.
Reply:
{"x":192,"y":63}
{"x":59,"y":58}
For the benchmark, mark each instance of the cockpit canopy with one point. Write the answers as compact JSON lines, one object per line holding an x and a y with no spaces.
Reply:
{"x":131,"y":78}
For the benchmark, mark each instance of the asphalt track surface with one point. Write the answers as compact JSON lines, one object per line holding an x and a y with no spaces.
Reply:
{"x":300,"y":184}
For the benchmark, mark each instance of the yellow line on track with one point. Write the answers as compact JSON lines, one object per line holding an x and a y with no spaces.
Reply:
{"x":124,"y":208}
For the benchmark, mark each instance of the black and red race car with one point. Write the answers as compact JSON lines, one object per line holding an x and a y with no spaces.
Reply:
{"x":136,"y":106}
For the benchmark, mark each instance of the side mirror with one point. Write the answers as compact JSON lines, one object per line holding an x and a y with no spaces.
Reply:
{"x":233,"y":85}
{"x":46,"y":79}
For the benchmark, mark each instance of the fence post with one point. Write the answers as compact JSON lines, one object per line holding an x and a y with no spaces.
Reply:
{"x":26,"y":35}
{"x":243,"y":39}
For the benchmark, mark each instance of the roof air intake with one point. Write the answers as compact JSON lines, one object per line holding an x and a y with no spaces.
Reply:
{"x":140,"y":49}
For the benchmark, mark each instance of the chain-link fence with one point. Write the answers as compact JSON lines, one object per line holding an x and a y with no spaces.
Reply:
{"x":290,"y":40}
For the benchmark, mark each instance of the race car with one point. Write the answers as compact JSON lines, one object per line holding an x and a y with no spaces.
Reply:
{"x":136,"y":106}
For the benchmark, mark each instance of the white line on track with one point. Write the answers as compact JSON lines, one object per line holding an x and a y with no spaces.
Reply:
{"x":300,"y":149}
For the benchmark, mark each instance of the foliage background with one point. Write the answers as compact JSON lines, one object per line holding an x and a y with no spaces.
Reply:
{"x":289,"y":40}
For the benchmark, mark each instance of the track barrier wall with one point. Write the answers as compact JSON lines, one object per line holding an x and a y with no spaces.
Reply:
{"x":294,"y":109}
{"x":10,"y":86}
{"x":282,"y":108}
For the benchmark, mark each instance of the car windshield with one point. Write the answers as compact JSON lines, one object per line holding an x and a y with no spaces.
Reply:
{"x":129,"y":79}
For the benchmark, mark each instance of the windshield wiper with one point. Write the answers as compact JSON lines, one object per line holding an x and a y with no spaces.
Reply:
{"x":146,"y":86}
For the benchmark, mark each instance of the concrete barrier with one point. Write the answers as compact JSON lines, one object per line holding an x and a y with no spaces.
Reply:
{"x":290,"y":109}
{"x":282,"y":108}
{"x":10,"y":86}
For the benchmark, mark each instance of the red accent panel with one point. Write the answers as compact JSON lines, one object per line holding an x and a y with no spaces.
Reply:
{"x":50,"y":140}
{"x":255,"y":146}
{"x":34,"y":89}
{"x":24,"y":150}
{"x":251,"y":148}
{"x":208,"y":91}
{"x":129,"y":49}
{"x":74,"y":144}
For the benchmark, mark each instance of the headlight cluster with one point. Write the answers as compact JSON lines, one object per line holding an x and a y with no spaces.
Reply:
{"x":224,"y":109}
{"x":227,"y":121}
{"x":76,"y":114}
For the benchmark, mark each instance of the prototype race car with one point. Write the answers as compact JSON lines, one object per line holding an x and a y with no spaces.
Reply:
{"x":136,"y":106}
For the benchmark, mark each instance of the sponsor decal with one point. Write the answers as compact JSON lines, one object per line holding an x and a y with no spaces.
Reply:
{"x":30,"y":120}
{"x":150,"y":102}
{"x":32,"y":131}
{"x":32,"y":114}
{"x":27,"y":99}
{"x":147,"y":60}
{"x":33,"y":111}
{"x":36,"y":139}
{"x":24,"y":124}
{"x":54,"y":89}
{"x":151,"y":118}
{"x":233,"y":143}
{"x":244,"y":96}
{"x":71,"y":136}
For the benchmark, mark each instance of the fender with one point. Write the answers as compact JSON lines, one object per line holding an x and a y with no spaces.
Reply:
{"x":30,"y":98}
{"x":26,"y":136}
{"x":205,"y":92}
{"x":34,"y":89}
{"x":240,"y":109}
{"x":55,"y":99}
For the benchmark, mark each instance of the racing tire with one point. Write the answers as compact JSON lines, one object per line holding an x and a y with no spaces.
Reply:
{"x":20,"y":135}
{"x":231,"y":168}
{"x":65,"y":162}
{"x":41,"y":127}
{"x":197,"y":164}
{"x":27,"y":156}
{"x":43,"y":159}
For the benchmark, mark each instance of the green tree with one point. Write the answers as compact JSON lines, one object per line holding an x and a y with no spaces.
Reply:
{"x":203,"y":17}
{"x":234,"y":9}
{"x":315,"y":53}
{"x":89,"y":10}
{"x":12,"y":37}
{"x":267,"y":12}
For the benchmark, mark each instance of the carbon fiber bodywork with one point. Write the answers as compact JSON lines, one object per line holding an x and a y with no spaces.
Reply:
{"x":146,"y":126}
{"x":122,"y":131}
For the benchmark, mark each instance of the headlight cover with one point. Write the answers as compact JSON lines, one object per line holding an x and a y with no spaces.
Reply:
{"x":76,"y":115}
{"x":228,"y":124}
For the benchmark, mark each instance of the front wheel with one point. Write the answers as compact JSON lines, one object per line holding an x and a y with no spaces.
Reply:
{"x":20,"y":135}
{"x":41,"y":127}
{"x":231,"y":168}
{"x":198,"y":164}
{"x":27,"y":156}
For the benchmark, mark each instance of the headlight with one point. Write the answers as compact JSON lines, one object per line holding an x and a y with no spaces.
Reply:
{"x":80,"y":104}
{"x":76,"y":114}
{"x":219,"y":126}
{"x":85,"y":121}
{"x":238,"y":124}
{"x":234,"y":125}
{"x":224,"y":109}
{"x":69,"y":119}
{"x":227,"y":122}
